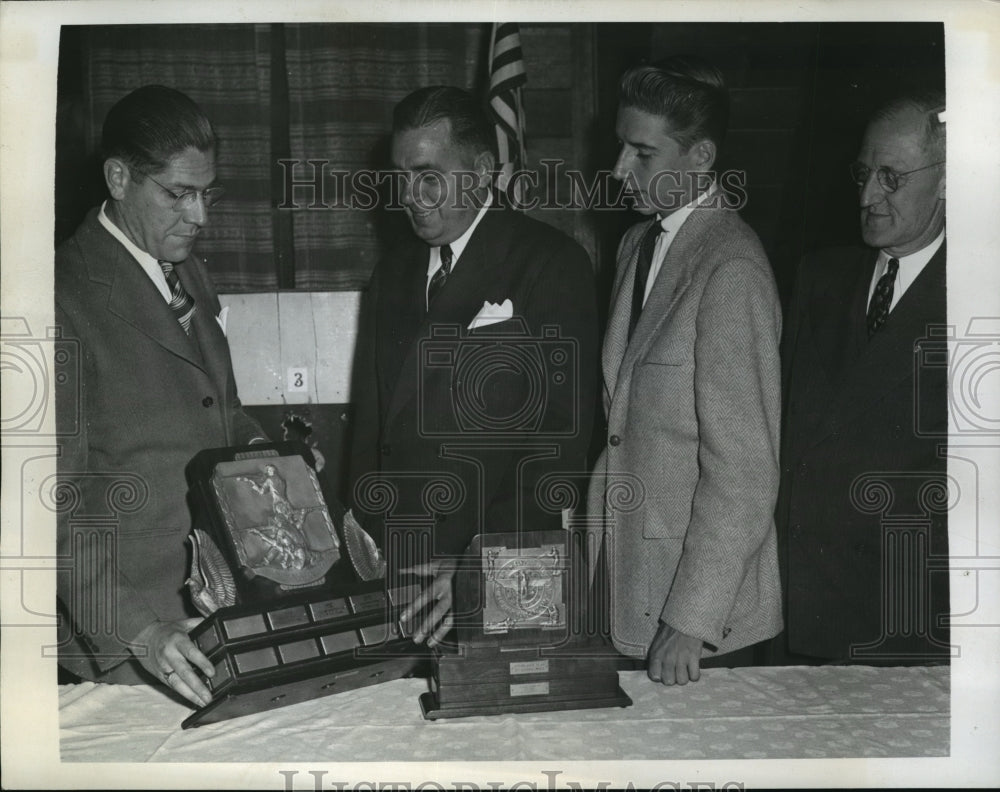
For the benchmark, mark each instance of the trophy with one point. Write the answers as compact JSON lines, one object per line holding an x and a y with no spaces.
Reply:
{"x":295,"y":608}
{"x":521,"y":646}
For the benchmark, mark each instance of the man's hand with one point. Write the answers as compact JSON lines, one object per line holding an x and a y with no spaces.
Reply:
{"x":435,"y":624}
{"x":169,"y":655}
{"x":673,"y":657}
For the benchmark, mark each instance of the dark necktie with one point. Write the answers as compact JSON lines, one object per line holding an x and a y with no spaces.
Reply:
{"x":878,"y":310}
{"x":646,"y":249}
{"x":181,"y":303}
{"x":439,"y":278}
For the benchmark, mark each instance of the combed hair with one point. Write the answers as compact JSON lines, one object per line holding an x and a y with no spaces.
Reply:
{"x":426,"y":106}
{"x":689,"y":93}
{"x":930,"y":103}
{"x":151,"y":125}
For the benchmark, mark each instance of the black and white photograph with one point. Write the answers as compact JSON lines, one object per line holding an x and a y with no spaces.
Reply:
{"x":500,"y":395}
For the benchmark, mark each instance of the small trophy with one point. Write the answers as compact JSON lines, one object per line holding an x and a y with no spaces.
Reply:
{"x":294,"y":608}
{"x":519,"y":623}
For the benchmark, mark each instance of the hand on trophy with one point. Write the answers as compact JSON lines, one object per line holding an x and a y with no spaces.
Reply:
{"x":435,"y":623}
{"x":673,"y":657}
{"x":169,"y":655}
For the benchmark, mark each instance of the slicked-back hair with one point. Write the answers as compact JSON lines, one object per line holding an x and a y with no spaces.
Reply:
{"x":153,"y":124}
{"x":426,"y":106}
{"x":929,"y":103}
{"x":689,"y":93}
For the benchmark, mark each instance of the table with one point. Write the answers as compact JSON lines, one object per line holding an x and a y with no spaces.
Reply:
{"x":745,"y":713}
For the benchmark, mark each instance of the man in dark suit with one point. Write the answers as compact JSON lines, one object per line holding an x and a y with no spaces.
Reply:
{"x":156,"y":387}
{"x":481,"y":376}
{"x":862,"y":502}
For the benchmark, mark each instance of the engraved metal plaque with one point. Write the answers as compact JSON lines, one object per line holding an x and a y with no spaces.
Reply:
{"x":524,"y":588}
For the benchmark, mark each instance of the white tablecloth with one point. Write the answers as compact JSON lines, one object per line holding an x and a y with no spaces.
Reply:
{"x":748,"y":713}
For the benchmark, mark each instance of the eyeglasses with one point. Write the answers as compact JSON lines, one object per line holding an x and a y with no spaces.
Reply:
{"x":887,"y":178}
{"x":185,"y":200}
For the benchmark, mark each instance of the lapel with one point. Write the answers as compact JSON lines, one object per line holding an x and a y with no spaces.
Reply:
{"x":474,"y":278}
{"x":134,"y":299}
{"x":888,"y":358}
{"x":671,"y":281}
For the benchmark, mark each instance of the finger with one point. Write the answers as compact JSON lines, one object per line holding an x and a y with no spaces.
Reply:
{"x":443,"y":629}
{"x":694,"y":668}
{"x":681,"y":672}
{"x":424,"y":598}
{"x":182,"y":685}
{"x":433,"y":619}
{"x":194,"y":655}
{"x":669,"y":675}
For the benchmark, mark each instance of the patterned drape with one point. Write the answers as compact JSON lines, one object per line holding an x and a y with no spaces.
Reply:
{"x":341,"y":82}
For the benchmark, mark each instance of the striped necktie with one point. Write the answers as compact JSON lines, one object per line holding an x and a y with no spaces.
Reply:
{"x":439,"y":278}
{"x":181,"y":303}
{"x":878,"y":310}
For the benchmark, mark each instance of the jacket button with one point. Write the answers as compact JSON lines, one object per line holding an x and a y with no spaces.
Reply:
{"x":386,"y":449}
{"x":208,"y":401}
{"x":614,"y":440}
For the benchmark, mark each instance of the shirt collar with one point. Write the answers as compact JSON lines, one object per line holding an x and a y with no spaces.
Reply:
{"x":459,"y":244}
{"x":673,"y":221}
{"x":139,"y":255}
{"x":916,"y":260}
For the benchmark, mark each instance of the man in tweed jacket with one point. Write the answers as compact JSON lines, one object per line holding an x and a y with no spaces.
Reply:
{"x":691,"y":393}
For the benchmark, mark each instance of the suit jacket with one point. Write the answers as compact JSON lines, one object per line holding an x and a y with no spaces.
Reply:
{"x":858,"y":426}
{"x":685,"y":487}
{"x":150,"y":398}
{"x":462,"y":425}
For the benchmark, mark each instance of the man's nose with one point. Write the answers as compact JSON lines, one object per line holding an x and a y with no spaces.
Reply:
{"x":871,"y":191}
{"x":620,"y":170}
{"x":197,"y":212}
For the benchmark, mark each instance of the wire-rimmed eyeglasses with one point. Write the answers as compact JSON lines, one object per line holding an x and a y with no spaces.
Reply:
{"x":185,"y":200}
{"x":888,"y":179}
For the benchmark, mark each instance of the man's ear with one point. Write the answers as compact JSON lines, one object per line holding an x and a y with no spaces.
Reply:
{"x":117,"y":177}
{"x":703,"y":153}
{"x":484,"y":165}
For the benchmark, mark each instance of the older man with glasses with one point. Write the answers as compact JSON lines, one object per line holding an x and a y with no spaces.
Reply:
{"x":155,"y":387}
{"x":861,"y":515}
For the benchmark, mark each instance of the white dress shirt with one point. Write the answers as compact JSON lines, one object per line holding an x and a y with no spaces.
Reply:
{"x":669,"y":226}
{"x":149,"y":264}
{"x":434,"y":261}
{"x":909,"y":267}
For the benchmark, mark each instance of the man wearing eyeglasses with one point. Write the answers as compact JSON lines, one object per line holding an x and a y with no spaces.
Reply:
{"x":155,"y":387}
{"x":861,"y":526}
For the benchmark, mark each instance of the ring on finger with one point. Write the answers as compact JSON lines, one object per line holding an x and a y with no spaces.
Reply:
{"x":169,"y":674}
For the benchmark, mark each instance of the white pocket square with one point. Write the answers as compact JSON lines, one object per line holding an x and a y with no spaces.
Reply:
{"x":491,"y":313}
{"x":222,"y":317}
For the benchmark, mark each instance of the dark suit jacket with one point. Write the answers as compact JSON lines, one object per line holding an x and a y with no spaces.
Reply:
{"x":860,"y":441}
{"x":460,"y":426}
{"x":150,"y":398}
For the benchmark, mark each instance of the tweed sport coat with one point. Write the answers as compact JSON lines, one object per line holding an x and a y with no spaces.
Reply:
{"x":150,"y":398}
{"x":693,"y":415}
{"x":412,"y":386}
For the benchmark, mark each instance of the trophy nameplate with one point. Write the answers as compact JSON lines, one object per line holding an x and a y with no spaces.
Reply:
{"x":292,"y":588}
{"x":515,"y":612}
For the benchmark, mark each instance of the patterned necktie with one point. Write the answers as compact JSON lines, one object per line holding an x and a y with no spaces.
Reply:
{"x":439,"y":278}
{"x":878,"y":310}
{"x":181,"y":303}
{"x":642,"y":268}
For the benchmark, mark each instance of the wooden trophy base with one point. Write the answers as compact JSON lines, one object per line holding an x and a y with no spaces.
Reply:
{"x":522,"y":680}
{"x":303,"y":648}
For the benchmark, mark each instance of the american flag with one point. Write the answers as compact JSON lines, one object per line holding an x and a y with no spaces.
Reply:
{"x":506,"y":80}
